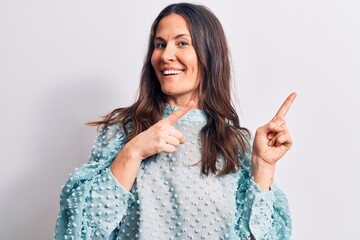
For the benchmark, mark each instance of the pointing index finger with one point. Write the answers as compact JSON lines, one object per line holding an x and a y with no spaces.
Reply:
{"x":175,"y":116}
{"x":285,"y":106}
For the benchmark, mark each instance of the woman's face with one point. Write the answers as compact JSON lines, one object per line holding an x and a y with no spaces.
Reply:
{"x":175,"y":61}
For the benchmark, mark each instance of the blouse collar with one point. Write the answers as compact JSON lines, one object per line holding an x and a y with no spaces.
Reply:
{"x":193,"y":115}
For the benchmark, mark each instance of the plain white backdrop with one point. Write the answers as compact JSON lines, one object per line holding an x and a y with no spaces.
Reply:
{"x":63,"y":63}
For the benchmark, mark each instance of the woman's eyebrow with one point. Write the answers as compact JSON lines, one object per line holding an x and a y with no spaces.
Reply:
{"x":176,"y":37}
{"x":181,"y":35}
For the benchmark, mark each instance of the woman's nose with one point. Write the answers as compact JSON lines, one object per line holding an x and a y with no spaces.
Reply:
{"x":168,"y":54}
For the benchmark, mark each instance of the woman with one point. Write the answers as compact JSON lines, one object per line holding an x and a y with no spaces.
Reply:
{"x":176,"y":164}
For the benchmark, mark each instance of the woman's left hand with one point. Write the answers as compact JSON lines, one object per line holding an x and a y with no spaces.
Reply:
{"x":273,"y":139}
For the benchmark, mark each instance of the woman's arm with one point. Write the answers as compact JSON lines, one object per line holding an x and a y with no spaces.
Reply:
{"x":260,"y":214}
{"x":271,"y":142}
{"x":161,"y":137}
{"x":262,"y":208}
{"x":92,"y":202}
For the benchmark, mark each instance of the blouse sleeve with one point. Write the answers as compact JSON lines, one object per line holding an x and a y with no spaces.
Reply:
{"x":264,"y":214}
{"x":92,"y":202}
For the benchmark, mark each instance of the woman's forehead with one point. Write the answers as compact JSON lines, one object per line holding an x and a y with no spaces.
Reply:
{"x":173,"y":24}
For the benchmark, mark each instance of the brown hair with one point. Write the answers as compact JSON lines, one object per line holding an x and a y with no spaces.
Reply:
{"x":222,"y":134}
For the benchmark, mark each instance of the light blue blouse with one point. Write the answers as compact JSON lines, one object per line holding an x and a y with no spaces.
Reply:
{"x":170,"y":198}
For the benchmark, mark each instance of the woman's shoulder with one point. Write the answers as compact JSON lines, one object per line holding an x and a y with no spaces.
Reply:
{"x":109,"y":132}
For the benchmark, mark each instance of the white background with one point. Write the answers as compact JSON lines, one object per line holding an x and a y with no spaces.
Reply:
{"x":63,"y":63}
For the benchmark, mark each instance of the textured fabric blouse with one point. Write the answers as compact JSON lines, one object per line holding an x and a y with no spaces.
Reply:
{"x":170,"y":198}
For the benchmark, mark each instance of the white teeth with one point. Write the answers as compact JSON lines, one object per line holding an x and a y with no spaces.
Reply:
{"x":172,"y":72}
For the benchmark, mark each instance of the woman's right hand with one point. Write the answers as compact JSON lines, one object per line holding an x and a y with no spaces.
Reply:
{"x":161,"y":137}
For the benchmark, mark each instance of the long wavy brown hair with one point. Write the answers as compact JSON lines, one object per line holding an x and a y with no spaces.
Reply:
{"x":222,"y":135}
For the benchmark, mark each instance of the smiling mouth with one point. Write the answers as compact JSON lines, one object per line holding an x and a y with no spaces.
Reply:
{"x":172,"y":72}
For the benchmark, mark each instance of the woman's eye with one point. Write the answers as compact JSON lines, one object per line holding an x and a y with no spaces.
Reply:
{"x":183,"y":43}
{"x":160,"y":45}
